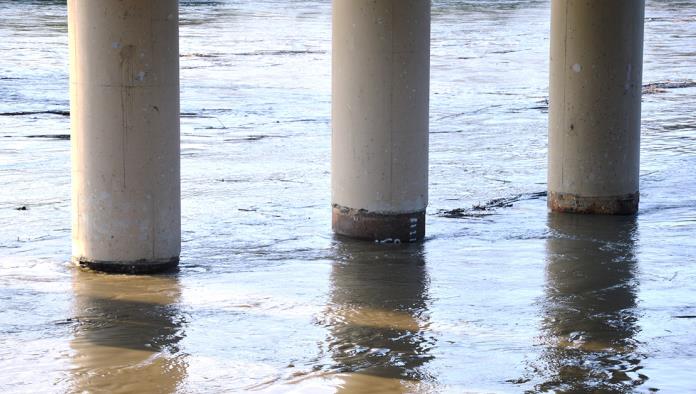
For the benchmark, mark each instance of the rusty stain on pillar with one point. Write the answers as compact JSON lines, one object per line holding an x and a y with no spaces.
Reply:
{"x":381,"y":81}
{"x":124,"y":88}
{"x":595,"y":102}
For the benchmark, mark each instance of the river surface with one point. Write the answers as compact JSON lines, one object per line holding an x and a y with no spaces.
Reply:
{"x":501,"y":297}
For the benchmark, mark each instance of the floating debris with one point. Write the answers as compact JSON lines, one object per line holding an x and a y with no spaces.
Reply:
{"x":279,"y":53}
{"x":232,"y":180}
{"x":25,"y":113}
{"x":63,"y":322}
{"x":662,"y":87}
{"x":51,"y":136}
{"x":202,"y":55}
{"x":519,"y":381}
{"x":489,"y":207}
{"x":248,"y":138}
{"x":650,"y":88}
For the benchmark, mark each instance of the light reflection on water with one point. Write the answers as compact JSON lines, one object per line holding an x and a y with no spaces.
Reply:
{"x":377,"y":317}
{"x":126,"y":334}
{"x":506,"y":300}
{"x":590,"y":307}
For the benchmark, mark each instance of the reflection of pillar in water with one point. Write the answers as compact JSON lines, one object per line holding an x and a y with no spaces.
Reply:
{"x":378,"y":316}
{"x":589,"y":309}
{"x":127,"y":335}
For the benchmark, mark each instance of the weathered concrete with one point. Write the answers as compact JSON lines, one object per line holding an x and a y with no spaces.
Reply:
{"x":360,"y":224}
{"x":594,"y":113}
{"x":608,"y":205}
{"x":381,"y":77}
{"x":124,"y":87}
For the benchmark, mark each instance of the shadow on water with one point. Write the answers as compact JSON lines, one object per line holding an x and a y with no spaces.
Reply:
{"x":377,"y":317}
{"x":589,"y":308}
{"x":127,"y":334}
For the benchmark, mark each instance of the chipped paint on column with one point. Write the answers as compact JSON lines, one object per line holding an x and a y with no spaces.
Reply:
{"x":594,"y":116}
{"x":381,"y":80}
{"x":124,"y":84}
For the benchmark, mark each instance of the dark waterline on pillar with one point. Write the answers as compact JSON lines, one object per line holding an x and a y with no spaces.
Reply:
{"x":386,"y":228}
{"x":140,"y":267}
{"x":610,"y":205}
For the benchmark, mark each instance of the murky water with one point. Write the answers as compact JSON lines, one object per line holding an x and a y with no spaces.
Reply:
{"x":502,"y":299}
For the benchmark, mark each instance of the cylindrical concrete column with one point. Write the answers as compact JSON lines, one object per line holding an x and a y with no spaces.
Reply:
{"x":381,"y":80}
{"x":594,"y":114}
{"x":124,"y":87}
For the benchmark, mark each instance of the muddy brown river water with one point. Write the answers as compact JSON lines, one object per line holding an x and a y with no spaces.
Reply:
{"x":501,"y":297}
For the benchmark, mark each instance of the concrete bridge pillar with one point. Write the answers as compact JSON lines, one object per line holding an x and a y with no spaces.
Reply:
{"x":124,"y":88}
{"x":594,"y":114}
{"x":381,"y":80}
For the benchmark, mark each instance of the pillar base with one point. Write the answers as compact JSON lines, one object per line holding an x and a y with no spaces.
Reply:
{"x":612,"y":205}
{"x":139,"y":267}
{"x":361,"y":224}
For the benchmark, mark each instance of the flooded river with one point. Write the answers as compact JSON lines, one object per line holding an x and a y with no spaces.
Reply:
{"x":501,"y":297}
